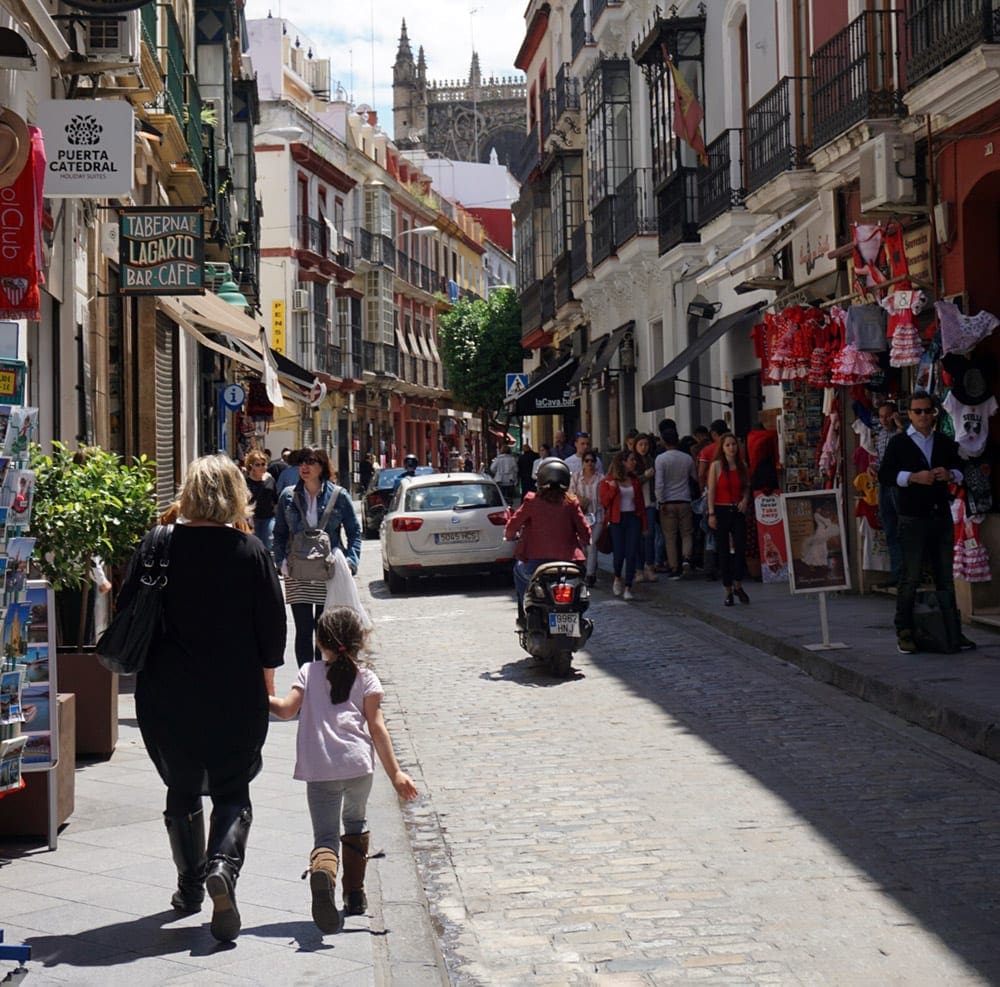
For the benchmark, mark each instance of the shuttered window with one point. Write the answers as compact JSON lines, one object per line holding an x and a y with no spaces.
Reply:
{"x":165,"y":389}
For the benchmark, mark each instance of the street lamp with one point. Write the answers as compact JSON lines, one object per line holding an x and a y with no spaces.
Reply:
{"x":230,"y":292}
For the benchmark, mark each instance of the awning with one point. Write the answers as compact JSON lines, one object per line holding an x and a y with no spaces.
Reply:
{"x":422,"y":339}
{"x":291,"y":371}
{"x":603,"y":360}
{"x":583,"y":370}
{"x":737,"y":260}
{"x":412,"y":344}
{"x":547,"y":396}
{"x":212,"y":313}
{"x":294,"y":378}
{"x":658,"y":391}
{"x":401,"y":342}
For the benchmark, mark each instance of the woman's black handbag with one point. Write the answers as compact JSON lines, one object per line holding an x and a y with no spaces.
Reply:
{"x":123,"y":647}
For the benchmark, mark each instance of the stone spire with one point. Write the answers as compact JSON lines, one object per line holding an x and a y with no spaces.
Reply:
{"x":403,"y":53}
{"x":475,"y":75}
{"x":421,"y":67}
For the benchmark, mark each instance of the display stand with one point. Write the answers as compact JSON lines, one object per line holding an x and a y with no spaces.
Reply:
{"x":20,"y":955}
{"x":826,"y":644}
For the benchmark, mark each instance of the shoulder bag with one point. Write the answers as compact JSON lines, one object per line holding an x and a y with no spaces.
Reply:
{"x":124,"y":645}
{"x":310,"y":555}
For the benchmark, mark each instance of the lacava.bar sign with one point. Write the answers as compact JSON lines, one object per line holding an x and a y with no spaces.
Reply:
{"x":162,"y":250}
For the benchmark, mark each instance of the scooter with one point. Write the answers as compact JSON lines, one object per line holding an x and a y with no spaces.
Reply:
{"x":554,"y":604}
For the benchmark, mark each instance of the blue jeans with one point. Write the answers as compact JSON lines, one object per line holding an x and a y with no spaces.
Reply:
{"x":264,"y":530}
{"x":888,"y":513}
{"x":326,"y":799}
{"x":649,"y":538}
{"x":523,"y":571}
{"x":921,"y":539}
{"x":626,"y":545}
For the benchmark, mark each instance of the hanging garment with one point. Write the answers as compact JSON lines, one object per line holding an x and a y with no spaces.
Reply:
{"x":961,"y":333}
{"x":971,"y":424}
{"x":971,"y":560}
{"x":868,"y":255}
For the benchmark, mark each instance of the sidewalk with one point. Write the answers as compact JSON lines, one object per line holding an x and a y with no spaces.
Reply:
{"x":957,"y":696}
{"x":97,"y":911}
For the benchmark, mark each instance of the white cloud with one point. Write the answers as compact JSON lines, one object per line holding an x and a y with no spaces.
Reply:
{"x":445,"y":28}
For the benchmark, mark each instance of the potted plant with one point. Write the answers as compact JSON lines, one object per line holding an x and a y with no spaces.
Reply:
{"x":88,"y":504}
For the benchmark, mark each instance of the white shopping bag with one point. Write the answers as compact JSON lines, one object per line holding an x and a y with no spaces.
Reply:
{"x":342,"y":591}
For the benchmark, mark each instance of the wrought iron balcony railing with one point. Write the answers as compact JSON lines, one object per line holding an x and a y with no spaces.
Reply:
{"x":578,"y":33}
{"x":563,"y":278}
{"x":602,"y":244}
{"x":578,"y":269}
{"x":941,"y":31}
{"x":635,"y":206}
{"x":856,"y":75}
{"x":677,"y":209}
{"x":531,"y":308}
{"x":722,"y":186}
{"x":567,"y":91}
{"x":528,"y":156}
{"x":312,"y":235}
{"x":779,"y":131}
{"x":548,"y":101}
{"x":548,"y":298}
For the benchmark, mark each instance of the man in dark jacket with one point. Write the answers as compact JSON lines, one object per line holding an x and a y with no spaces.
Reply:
{"x":525,"y":462}
{"x":922,"y":462}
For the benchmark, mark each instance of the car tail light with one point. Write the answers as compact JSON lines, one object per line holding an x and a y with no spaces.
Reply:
{"x":406,"y":523}
{"x":499,"y":517}
{"x":562,"y":593}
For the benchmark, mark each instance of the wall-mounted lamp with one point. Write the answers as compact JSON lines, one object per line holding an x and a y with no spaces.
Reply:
{"x":703,"y":310}
{"x":626,"y":353}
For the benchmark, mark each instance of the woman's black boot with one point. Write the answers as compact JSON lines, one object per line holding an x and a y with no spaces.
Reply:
{"x":187,"y":846}
{"x":227,"y":845}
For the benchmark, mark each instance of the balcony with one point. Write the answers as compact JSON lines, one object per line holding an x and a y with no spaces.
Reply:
{"x":942,"y":31}
{"x":548,"y":296}
{"x":378,"y":358}
{"x":856,"y":76}
{"x":563,"y":279}
{"x":531,"y":308}
{"x":567,"y":92}
{"x":579,"y":29}
{"x":376,"y":248}
{"x":528,"y":156}
{"x":677,"y":210}
{"x":312,"y":235}
{"x":578,"y":269}
{"x":778,"y":131}
{"x":548,"y":101}
{"x":721,"y":185}
{"x":635,"y":212}
{"x":603,"y":224}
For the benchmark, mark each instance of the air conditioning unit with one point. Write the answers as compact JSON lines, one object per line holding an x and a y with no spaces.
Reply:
{"x":300,"y":300}
{"x":113,"y":39}
{"x":887,"y":164}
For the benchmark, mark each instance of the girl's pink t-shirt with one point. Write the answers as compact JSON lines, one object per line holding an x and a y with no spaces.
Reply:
{"x":333,"y":742}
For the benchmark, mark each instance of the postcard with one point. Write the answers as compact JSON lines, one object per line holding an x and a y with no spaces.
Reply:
{"x":22,"y":429}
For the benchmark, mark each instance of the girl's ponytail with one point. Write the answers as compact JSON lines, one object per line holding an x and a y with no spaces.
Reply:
{"x":340,"y":632}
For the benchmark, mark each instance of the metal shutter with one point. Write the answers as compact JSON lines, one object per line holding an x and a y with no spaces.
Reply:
{"x":165,"y":390}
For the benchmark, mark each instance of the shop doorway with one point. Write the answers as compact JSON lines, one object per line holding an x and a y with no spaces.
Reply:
{"x":748,"y":399}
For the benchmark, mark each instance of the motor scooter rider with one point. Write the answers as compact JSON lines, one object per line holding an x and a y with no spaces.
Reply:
{"x":410,"y":463}
{"x":551,"y":525}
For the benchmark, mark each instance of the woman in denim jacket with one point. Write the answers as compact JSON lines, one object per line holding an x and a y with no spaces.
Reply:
{"x":302,"y":507}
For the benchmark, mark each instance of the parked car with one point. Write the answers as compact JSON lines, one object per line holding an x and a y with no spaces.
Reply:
{"x":444,"y":525}
{"x":376,"y":498}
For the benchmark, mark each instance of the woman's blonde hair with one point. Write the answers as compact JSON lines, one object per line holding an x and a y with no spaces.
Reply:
{"x":215,"y":490}
{"x":255,"y":458}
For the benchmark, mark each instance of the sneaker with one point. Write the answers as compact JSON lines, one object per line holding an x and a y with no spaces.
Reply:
{"x":964,"y":644}
{"x":628,"y":594}
{"x":687,"y":569}
{"x":650,"y":574}
{"x":616,"y":586}
{"x":637,"y":578}
{"x":905,"y":644}
{"x":675,"y":574}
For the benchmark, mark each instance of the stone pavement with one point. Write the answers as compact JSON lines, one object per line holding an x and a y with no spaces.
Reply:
{"x":957,"y":696}
{"x":96,"y":911}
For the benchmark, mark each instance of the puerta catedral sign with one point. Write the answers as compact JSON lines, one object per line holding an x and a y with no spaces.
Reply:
{"x":162,"y":250}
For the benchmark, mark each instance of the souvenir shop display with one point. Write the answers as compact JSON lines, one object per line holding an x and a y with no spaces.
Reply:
{"x":801,"y":428}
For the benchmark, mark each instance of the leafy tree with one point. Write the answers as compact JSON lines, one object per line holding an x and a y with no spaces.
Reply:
{"x":480,"y":344}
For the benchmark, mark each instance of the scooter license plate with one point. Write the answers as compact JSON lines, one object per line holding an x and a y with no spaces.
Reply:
{"x":564,"y":623}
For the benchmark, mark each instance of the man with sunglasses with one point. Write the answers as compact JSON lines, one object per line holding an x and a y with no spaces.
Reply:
{"x":582,"y":446}
{"x":922,"y":462}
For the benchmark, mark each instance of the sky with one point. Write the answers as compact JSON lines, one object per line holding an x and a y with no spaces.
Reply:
{"x":447,"y":29}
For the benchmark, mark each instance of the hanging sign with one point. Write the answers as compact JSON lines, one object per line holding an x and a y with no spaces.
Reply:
{"x":278,"y":325}
{"x":89,"y":146}
{"x":233,"y":396}
{"x":162,"y":250}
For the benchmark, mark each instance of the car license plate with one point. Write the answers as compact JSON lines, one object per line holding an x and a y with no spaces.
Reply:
{"x":565,"y":623}
{"x":450,"y":537}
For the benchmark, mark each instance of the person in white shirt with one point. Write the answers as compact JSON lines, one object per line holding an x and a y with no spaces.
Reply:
{"x":575,"y":462}
{"x":674,"y":472}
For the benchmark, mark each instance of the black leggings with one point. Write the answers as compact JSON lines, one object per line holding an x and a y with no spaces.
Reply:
{"x":730,"y":520}
{"x":305,"y":616}
{"x":181,"y":803}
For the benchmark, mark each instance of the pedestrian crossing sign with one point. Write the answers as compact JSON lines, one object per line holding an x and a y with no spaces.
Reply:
{"x":515,"y":384}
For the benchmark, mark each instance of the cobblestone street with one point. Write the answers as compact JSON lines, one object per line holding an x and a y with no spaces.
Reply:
{"x":686,"y":808}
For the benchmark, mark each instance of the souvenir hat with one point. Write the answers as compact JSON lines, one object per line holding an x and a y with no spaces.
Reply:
{"x":15,"y":147}
{"x":969,"y":382}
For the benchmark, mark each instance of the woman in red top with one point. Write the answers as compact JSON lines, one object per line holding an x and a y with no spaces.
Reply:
{"x":550,"y":524}
{"x":625,"y":515}
{"x":728,"y":497}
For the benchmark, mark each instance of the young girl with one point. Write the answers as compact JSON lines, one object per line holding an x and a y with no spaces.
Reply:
{"x":341,"y":721}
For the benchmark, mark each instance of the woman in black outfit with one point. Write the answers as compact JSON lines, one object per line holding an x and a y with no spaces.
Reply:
{"x":201,"y":699}
{"x":263,"y":496}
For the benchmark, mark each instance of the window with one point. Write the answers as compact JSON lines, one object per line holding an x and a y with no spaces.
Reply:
{"x":566,"y":198}
{"x":378,"y":210}
{"x":609,"y":127}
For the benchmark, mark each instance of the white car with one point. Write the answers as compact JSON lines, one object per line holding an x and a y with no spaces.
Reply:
{"x":445,"y":524}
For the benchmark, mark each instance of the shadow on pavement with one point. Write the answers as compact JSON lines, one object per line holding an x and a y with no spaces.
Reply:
{"x":530,"y":672}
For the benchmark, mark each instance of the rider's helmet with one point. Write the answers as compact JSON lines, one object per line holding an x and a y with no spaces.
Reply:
{"x":553,"y":474}
{"x":410,"y":462}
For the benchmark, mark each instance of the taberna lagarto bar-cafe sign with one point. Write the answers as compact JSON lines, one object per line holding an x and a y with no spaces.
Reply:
{"x":161,"y":250}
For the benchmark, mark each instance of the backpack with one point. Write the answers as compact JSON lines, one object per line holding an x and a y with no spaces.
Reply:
{"x":310,"y":555}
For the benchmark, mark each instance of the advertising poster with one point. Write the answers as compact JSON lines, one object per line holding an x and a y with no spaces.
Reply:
{"x":817,"y":546}
{"x":771,"y":541}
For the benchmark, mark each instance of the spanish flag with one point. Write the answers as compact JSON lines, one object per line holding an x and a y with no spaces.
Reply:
{"x":687,"y":113}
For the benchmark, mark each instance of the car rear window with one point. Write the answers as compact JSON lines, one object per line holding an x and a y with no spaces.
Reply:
{"x":448,"y":496}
